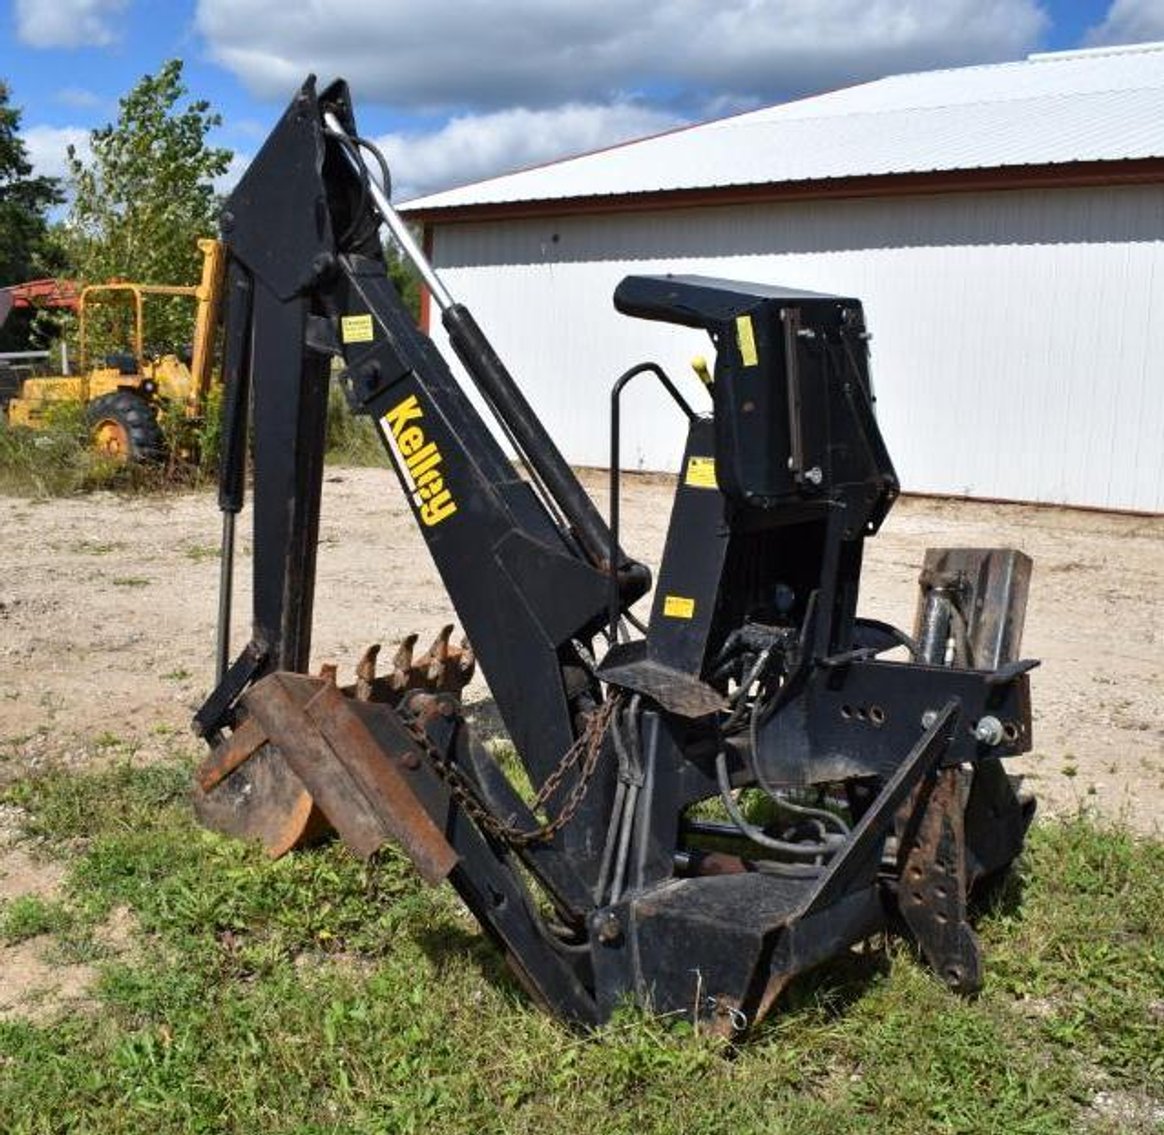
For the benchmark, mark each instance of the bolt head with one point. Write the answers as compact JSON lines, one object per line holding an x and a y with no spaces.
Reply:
{"x":610,"y":928}
{"x":988,"y":731}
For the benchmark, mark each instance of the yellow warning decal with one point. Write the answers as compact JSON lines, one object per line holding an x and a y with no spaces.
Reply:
{"x":746,"y":337}
{"x":700,"y":473}
{"x":356,"y":329}
{"x":678,"y":607}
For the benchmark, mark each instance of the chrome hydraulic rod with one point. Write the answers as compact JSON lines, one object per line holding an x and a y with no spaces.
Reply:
{"x":396,"y":226}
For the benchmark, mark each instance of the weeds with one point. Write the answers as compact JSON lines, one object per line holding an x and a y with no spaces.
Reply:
{"x":57,"y":460}
{"x":28,"y":916}
{"x":351,"y":439}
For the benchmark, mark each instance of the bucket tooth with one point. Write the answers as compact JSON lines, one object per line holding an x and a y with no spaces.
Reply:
{"x":366,"y":673}
{"x":436,"y":656}
{"x":402,"y":664}
{"x":466,"y":662}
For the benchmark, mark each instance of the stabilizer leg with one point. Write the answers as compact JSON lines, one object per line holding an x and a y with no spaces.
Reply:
{"x":931,"y":892}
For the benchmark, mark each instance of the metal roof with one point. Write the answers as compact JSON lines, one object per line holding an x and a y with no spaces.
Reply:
{"x":1084,"y":106}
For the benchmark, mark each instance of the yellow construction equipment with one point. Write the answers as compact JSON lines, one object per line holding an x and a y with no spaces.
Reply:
{"x":123,"y":393}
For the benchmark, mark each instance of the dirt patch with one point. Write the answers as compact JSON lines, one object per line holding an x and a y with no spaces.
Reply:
{"x":24,"y":874}
{"x":39,"y":985}
{"x":36,"y":988}
{"x":1128,"y":1112}
{"x":107,"y":617}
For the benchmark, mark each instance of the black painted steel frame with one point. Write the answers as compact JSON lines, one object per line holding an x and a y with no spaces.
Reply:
{"x":531,"y":580}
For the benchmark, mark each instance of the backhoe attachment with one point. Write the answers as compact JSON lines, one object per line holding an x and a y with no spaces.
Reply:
{"x":754,"y":781}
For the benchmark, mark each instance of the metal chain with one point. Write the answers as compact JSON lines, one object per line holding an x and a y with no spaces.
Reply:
{"x":586,"y":748}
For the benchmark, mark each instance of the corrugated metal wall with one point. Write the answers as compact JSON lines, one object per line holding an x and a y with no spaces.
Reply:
{"x":1017,"y":336}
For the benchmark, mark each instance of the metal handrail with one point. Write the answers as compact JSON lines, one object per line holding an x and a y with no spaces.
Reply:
{"x":615,"y":426}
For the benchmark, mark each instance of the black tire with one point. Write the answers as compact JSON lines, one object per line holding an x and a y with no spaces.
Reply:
{"x":10,"y":383}
{"x":125,"y":427}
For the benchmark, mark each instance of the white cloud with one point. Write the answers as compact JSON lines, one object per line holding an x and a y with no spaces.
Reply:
{"x":47,"y":147}
{"x":475,"y":146}
{"x":1130,"y":21}
{"x":69,"y":23}
{"x":526,"y":81}
{"x":78,"y":98}
{"x":449,"y":55}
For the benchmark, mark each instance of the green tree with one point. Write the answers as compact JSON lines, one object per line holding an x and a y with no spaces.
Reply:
{"x":146,"y":196}
{"x":403,"y":275}
{"x":24,"y":203}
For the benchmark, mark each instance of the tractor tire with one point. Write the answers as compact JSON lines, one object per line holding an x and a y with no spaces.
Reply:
{"x":10,"y":384}
{"x":125,"y":428}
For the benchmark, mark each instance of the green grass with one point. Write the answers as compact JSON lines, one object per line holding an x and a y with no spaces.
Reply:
{"x":29,"y":916}
{"x":58,"y":461}
{"x":320,"y":994}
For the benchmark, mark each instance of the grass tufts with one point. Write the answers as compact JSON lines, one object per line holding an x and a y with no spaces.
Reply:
{"x":321,"y":994}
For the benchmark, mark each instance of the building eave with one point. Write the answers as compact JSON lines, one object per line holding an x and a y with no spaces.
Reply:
{"x":1058,"y":175}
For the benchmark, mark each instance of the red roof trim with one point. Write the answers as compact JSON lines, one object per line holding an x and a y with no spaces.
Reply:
{"x":1059,"y":175}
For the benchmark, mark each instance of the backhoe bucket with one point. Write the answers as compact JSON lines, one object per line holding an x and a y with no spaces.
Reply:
{"x":306,"y":759}
{"x":261,"y":799}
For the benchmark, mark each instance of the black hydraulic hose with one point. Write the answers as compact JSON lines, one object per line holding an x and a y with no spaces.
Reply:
{"x":611,"y":842}
{"x":898,"y":636}
{"x":630,"y":760}
{"x":756,"y":834}
{"x":628,"y":823}
{"x":802,"y":811}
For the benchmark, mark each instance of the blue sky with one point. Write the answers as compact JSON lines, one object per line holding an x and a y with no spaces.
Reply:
{"x":457,"y":90}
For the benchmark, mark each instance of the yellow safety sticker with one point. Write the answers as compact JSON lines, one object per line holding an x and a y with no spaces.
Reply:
{"x":700,"y":473}
{"x":356,"y":329}
{"x":746,"y":337}
{"x":678,"y":607}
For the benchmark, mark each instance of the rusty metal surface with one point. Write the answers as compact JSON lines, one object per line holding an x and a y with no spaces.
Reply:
{"x":382,"y":782}
{"x":277,"y":702}
{"x":350,"y":776}
{"x":320,"y":768}
{"x":231,"y":753}
{"x":972,"y":605}
{"x":859,"y":859}
{"x":261,"y":799}
{"x":932,"y":888}
{"x":442,"y":668}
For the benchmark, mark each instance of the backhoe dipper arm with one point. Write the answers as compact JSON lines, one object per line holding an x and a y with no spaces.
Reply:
{"x":528,"y":576}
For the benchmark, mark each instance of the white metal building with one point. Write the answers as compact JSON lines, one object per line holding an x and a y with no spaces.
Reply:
{"x":1003,"y":225}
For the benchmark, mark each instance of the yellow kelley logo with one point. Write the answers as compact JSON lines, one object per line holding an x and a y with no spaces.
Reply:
{"x":418,"y":461}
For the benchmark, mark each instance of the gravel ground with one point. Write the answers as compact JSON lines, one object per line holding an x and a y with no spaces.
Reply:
{"x":107,"y":611}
